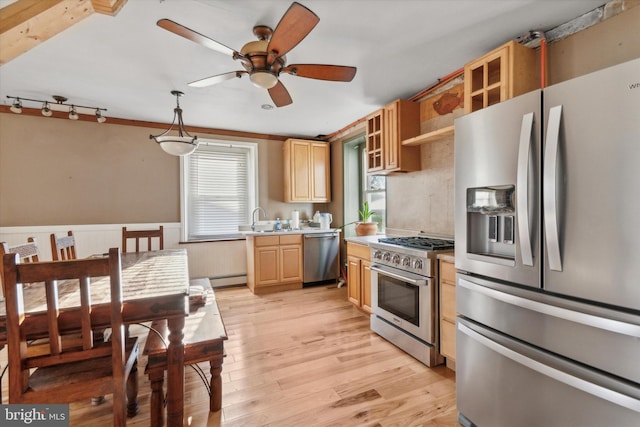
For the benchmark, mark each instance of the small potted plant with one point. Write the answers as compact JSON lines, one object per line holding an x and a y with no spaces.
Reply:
{"x":366,"y":227}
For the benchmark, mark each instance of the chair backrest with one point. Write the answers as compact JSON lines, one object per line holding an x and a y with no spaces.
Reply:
{"x":21,"y":357}
{"x":140,"y":235}
{"x":28,"y":252}
{"x":63,"y":248}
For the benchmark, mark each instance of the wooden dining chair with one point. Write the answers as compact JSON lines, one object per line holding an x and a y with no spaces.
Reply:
{"x":28,"y":253}
{"x":142,"y":234}
{"x":61,"y":370}
{"x":63,"y":248}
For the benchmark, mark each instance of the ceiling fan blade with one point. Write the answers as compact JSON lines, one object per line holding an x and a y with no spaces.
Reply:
{"x":280,"y":95}
{"x":336,"y":73}
{"x":194,"y":36}
{"x":296,"y":23}
{"x":208,"y":81}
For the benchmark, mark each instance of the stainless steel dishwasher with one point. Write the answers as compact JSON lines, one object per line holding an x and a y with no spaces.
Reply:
{"x":321,"y":256}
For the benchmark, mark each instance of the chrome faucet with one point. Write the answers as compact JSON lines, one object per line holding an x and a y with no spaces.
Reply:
{"x":253,"y":217}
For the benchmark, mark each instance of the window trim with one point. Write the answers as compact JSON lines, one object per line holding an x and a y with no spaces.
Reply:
{"x":252,"y":170}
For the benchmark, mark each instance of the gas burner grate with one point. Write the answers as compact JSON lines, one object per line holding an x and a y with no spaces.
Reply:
{"x":417,"y":242}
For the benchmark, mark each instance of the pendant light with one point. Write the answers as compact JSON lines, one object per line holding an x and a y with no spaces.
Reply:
{"x":181,"y":145}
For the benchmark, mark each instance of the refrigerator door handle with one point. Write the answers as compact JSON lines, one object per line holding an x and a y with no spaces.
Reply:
{"x":550,"y":188}
{"x":522,"y":190}
{"x":586,"y":319}
{"x":551,"y":372}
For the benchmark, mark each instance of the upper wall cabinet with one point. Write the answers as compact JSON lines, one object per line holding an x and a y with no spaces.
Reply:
{"x":508,"y":71}
{"x":386,"y":129}
{"x":306,"y":171}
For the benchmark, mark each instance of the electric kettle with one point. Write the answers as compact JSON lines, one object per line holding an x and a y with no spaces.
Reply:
{"x":325,"y":219}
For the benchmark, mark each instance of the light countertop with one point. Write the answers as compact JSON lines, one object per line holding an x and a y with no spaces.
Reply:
{"x":365,"y":240}
{"x":309,"y":230}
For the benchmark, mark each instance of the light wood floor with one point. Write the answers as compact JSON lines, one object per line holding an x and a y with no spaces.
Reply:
{"x":303,"y":358}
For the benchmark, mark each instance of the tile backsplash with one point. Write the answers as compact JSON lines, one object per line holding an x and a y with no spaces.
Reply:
{"x":423,"y":200}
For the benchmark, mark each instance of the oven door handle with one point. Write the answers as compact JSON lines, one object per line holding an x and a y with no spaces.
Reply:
{"x":416,"y":282}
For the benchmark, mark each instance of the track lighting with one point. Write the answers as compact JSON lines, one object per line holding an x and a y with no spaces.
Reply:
{"x":60,"y":102}
{"x":46,"y":111}
{"x":16,"y":107}
{"x":179,"y":145}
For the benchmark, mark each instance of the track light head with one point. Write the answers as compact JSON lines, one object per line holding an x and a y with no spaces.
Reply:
{"x":16,"y":107}
{"x":46,"y":111}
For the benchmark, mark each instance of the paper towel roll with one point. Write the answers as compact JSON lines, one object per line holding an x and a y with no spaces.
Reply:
{"x":295,"y":220}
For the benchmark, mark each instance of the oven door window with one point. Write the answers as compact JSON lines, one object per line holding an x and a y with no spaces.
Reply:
{"x":399,"y":298}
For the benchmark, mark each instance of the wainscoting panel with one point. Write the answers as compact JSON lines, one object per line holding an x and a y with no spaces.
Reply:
{"x":215,"y":259}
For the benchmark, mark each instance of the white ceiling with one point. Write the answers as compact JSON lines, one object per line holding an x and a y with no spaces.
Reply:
{"x":129,"y":65}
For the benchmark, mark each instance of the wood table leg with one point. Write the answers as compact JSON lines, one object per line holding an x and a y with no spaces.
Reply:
{"x":156,"y":378}
{"x":175,"y":372}
{"x":215,"y":400}
{"x":132,"y":391}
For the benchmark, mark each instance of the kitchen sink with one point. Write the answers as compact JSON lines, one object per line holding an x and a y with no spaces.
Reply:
{"x":261,"y":226}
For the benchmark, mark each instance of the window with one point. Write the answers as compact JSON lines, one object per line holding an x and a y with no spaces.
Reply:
{"x":219,"y":188}
{"x":359,"y":186}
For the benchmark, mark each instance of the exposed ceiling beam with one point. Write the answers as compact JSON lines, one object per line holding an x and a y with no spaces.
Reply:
{"x":25,"y":24}
{"x":108,"y":7}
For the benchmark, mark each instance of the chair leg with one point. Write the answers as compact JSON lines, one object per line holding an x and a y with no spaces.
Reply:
{"x":215,"y":399}
{"x":156,"y":378}
{"x":132,"y":391}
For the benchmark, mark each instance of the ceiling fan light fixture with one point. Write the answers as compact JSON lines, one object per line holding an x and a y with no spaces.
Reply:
{"x":263,"y":79}
{"x":182,"y":144}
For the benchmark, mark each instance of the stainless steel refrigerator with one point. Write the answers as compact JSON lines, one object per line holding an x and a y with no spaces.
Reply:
{"x":547,"y":228}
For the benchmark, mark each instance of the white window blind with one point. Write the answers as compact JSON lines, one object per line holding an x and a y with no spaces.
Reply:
{"x":219,"y":189}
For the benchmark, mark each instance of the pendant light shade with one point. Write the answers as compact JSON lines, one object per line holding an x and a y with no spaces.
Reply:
{"x":182,"y":144}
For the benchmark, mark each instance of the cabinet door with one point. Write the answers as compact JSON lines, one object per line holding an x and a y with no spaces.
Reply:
{"x":365,"y":280}
{"x":375,"y":141}
{"x":391,"y":144}
{"x":505,"y":72}
{"x":488,"y":80}
{"x":266,"y":265}
{"x":353,"y":280}
{"x":448,"y":339}
{"x":290,"y":264}
{"x":300,"y":155}
{"x":319,"y":173}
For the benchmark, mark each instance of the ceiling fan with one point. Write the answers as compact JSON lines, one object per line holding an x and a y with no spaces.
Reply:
{"x":264,"y":60}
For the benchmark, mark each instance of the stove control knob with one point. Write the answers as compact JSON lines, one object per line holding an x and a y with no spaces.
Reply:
{"x":417,"y":264}
{"x":386,"y":256}
{"x":406,"y":262}
{"x":396,"y":259}
{"x":377,"y":254}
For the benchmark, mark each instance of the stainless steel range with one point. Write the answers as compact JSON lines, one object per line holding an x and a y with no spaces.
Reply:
{"x":404,"y":296}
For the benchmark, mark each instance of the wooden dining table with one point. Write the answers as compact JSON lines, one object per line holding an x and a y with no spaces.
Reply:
{"x":155,"y":286}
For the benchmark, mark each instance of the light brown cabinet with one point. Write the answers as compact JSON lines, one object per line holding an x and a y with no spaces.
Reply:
{"x":359,"y":276}
{"x":448,"y":312}
{"x":507,"y":71}
{"x":274,"y":263}
{"x":386,"y":129}
{"x":307,"y":171}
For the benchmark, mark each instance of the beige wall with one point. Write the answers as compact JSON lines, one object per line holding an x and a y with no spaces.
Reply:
{"x":59,"y":172}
